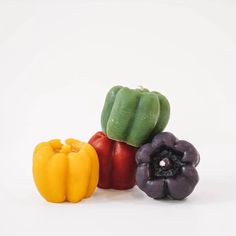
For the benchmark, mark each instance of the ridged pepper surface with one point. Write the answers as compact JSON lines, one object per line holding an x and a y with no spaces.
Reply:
{"x":167,"y":167}
{"x":134,"y":115}
{"x":66,"y":172}
{"x":117,"y":164}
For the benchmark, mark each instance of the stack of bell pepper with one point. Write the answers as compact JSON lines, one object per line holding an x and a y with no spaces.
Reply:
{"x":131,"y":149}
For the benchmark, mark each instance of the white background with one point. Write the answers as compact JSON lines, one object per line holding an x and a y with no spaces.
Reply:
{"x":57,"y":62}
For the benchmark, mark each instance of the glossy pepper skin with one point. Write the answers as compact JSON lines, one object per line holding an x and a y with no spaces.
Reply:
{"x":133,"y":115}
{"x":66,"y":172}
{"x":166,"y":167}
{"x":117,"y":164}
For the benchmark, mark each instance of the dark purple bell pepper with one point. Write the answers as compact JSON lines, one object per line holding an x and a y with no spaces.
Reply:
{"x":166,"y":167}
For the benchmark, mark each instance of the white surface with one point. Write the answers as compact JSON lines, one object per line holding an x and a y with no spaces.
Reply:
{"x":57,"y":62}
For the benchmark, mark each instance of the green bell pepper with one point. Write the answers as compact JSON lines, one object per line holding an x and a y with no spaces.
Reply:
{"x":134,"y":115}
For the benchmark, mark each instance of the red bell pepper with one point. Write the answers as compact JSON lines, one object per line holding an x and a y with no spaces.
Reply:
{"x":117,"y":166}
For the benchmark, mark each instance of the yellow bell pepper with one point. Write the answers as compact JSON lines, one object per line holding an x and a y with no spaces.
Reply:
{"x":65,"y":172}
